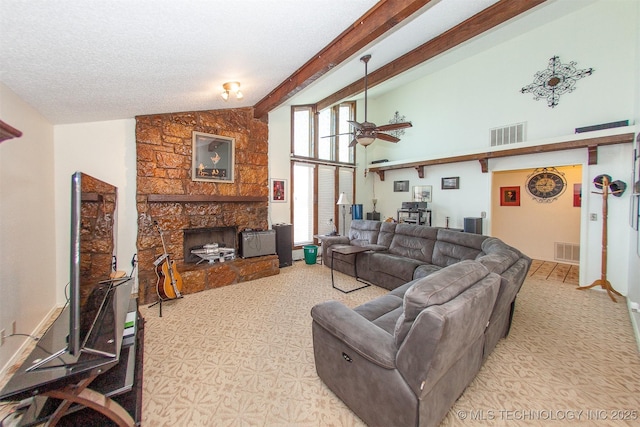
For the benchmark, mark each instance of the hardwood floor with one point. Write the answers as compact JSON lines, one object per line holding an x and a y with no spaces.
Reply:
{"x":554,"y":271}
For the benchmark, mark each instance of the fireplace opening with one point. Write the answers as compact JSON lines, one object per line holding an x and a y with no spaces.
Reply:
{"x":197,"y":238}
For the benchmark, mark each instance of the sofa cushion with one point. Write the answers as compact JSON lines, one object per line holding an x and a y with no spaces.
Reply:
{"x":455,"y":246}
{"x":393,"y":265}
{"x":382,"y":311}
{"x":425,"y":270}
{"x":436,"y":289}
{"x":364,"y":232}
{"x":387,"y":230}
{"x":499,"y":261}
{"x":414,"y":241}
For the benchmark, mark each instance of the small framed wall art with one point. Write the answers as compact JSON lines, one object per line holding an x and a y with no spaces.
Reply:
{"x":213,"y":158}
{"x":400,"y":186}
{"x":278,"y":190}
{"x":510,"y":196}
{"x":451,"y":183}
{"x":422,"y":193}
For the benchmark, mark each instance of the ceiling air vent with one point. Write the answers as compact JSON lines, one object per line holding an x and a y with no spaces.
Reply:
{"x":509,"y":134}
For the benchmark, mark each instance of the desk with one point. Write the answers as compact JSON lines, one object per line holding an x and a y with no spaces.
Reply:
{"x":349,"y":250}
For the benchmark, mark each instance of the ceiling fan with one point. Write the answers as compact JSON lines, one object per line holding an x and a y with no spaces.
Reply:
{"x":367,"y":132}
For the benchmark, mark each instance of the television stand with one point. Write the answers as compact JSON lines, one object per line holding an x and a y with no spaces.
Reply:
{"x":71,"y":394}
{"x":80,"y":394}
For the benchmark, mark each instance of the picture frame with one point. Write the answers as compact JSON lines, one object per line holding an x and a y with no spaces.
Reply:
{"x":422,"y":193}
{"x":278,"y":190}
{"x":450,"y":183}
{"x":577,"y":195}
{"x":400,"y":186}
{"x":213,"y":158}
{"x":510,"y":196}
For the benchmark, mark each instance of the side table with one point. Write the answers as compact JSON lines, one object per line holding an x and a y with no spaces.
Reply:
{"x":349,"y":250}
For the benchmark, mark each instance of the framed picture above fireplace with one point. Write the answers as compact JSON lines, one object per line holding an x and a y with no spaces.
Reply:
{"x":213,"y":158}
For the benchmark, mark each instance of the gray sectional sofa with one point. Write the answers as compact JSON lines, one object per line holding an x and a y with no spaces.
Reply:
{"x":403,"y":359}
{"x":401,"y":253}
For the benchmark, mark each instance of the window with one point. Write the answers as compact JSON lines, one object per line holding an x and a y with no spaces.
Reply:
{"x":322,"y":165}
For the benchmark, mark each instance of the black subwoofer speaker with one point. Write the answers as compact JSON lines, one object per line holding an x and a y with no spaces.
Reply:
{"x":473,"y":225}
{"x":284,"y":244}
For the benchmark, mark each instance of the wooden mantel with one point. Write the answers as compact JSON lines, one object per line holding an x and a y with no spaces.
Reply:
{"x":8,"y":132}
{"x":591,"y":144}
{"x":200,"y":198}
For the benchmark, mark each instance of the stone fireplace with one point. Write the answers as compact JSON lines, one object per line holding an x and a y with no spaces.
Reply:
{"x":171,"y":203}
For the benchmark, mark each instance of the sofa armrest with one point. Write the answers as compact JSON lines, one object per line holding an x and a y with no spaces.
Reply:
{"x":368,"y":340}
{"x":328,"y":241}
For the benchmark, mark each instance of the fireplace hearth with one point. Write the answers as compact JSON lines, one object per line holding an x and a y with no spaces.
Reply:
{"x":197,"y":238}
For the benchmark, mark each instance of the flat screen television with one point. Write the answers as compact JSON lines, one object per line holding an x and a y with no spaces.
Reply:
{"x":92,"y":262}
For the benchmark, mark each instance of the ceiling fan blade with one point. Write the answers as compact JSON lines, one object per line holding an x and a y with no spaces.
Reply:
{"x":385,"y":137}
{"x":353,"y":142}
{"x":394,"y":126}
{"x":355,"y":124}
{"x":337,"y":134}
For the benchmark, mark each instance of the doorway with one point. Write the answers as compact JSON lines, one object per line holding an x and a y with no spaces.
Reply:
{"x":543,"y":229}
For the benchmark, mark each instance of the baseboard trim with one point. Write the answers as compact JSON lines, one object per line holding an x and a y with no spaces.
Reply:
{"x":20,"y":352}
{"x":635,"y":320}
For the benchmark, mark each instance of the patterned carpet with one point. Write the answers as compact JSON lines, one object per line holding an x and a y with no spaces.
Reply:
{"x":242,"y":355}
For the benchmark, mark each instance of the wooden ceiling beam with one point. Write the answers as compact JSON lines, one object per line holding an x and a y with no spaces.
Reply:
{"x":491,"y":17}
{"x":385,"y":15}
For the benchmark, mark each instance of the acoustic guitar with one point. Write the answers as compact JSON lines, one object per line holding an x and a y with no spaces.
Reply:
{"x":169,"y":284}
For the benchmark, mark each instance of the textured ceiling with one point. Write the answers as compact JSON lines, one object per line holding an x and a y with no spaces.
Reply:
{"x":79,"y":61}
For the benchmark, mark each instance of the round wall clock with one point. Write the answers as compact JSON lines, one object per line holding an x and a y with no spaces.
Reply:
{"x":546,"y":184}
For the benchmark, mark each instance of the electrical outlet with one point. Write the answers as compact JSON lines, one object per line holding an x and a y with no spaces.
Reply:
{"x":2,"y":337}
{"x":483,"y":214}
{"x":593,"y":217}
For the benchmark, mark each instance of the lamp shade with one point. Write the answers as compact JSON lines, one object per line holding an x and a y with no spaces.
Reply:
{"x":343,"y":200}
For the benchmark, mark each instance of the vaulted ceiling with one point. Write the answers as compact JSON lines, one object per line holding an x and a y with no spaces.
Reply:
{"x":79,"y":61}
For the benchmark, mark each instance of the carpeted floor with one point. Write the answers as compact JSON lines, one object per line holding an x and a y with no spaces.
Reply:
{"x":242,"y":355}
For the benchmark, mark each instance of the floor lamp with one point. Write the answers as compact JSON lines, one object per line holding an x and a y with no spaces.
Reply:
{"x":342,"y":200}
{"x":615,"y":188}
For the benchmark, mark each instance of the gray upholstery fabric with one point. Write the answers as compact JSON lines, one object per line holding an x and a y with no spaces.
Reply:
{"x":436,"y":289}
{"x":363,"y":232}
{"x":414,"y":242}
{"x":416,"y":383}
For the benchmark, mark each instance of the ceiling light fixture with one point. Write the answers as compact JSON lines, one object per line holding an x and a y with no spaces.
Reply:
{"x":231,"y":87}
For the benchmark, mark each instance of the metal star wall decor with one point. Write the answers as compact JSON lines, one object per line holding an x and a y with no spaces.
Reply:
{"x":397,"y":118}
{"x":557,"y":79}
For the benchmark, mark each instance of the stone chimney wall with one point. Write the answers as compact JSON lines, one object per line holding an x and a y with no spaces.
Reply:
{"x":167,"y":196}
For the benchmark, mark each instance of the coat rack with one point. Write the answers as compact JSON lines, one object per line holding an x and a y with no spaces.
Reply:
{"x":615,"y":188}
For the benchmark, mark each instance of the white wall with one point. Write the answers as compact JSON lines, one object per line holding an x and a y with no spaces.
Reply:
{"x":107,"y":151}
{"x":279,"y":164}
{"x":27,"y":228}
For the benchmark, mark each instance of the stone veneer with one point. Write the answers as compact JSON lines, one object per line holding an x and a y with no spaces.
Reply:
{"x":166,"y":195}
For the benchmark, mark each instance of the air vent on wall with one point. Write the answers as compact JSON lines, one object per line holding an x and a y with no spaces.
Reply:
{"x":509,"y":134}
{"x":567,"y":252}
